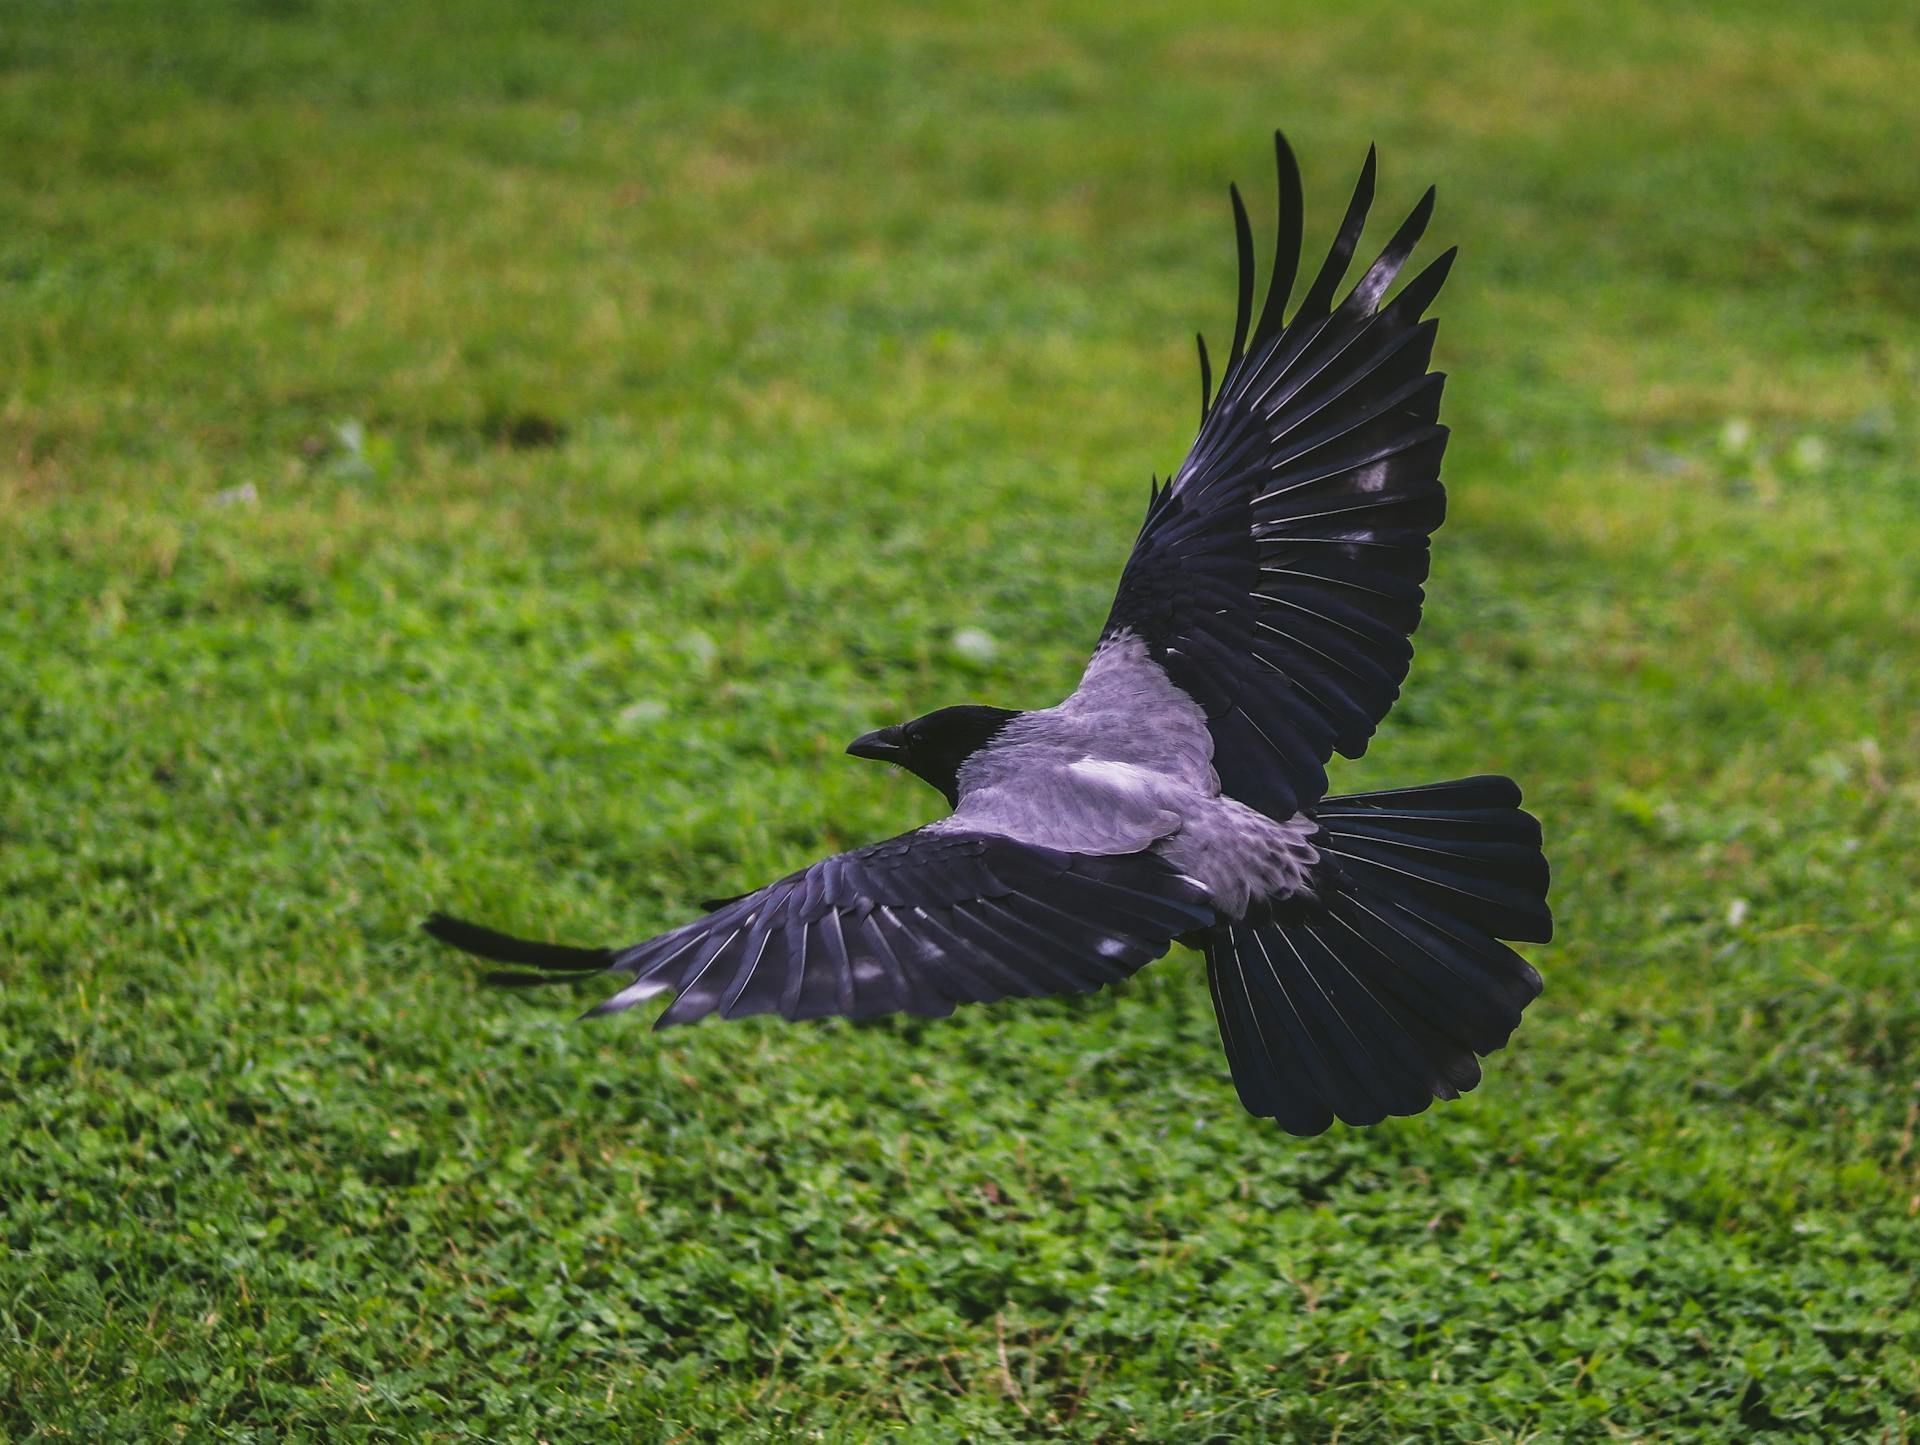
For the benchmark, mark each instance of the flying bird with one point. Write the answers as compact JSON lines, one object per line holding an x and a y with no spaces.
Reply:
{"x":1262,"y":623}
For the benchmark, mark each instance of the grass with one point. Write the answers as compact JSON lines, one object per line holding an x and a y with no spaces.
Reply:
{"x":496,"y":460}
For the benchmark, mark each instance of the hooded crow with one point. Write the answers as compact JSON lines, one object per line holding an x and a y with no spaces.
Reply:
{"x":1262,"y":621}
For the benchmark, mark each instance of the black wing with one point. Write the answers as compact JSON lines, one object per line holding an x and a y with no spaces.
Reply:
{"x":1277,"y":576}
{"x":916,"y":924}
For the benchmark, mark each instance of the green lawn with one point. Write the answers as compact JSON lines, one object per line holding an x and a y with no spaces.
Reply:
{"x":498,"y":459}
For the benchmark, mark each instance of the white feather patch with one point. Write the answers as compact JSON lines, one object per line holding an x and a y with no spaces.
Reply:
{"x":633,"y":993}
{"x":1126,"y":777}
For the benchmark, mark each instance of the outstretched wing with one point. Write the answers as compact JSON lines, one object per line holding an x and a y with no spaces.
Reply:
{"x":916,"y":924}
{"x":1278,"y":575}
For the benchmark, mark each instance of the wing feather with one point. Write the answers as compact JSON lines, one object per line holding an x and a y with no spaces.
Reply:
{"x":915,"y":924}
{"x":1279,"y":575}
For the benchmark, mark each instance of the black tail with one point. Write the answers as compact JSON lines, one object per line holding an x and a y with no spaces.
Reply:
{"x":561,"y":961}
{"x":1374,"y":998}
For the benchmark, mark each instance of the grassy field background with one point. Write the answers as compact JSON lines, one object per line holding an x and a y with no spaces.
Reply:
{"x":495,"y":457}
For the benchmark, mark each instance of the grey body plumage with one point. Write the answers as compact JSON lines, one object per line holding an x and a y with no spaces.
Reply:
{"x":1261,"y":624}
{"x":1125,"y":765}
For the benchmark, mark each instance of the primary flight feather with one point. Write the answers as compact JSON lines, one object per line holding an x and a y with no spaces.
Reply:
{"x":1262,"y":623}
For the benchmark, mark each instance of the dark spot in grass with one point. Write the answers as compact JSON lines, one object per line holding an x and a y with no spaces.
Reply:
{"x":1754,"y":1412}
{"x":524,"y":430}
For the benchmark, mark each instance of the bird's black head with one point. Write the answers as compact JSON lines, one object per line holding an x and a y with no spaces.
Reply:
{"x":933,"y":747}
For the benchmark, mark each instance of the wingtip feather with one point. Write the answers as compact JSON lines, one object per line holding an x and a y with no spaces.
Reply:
{"x":497,"y":947}
{"x":1243,"y":308}
{"x":1289,"y":229}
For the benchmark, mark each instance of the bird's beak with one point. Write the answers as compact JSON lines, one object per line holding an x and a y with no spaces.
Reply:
{"x":887,"y":745}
